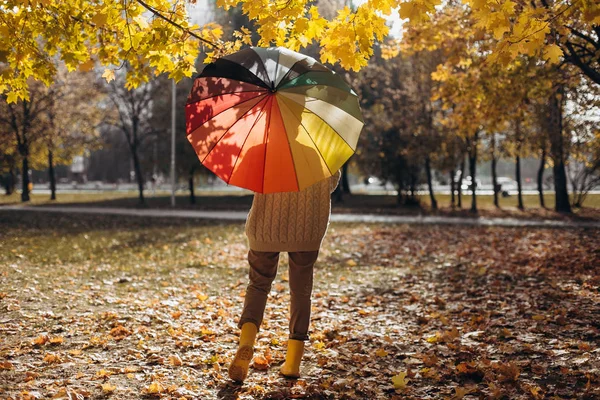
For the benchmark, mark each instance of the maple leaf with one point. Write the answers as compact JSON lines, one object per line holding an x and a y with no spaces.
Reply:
{"x":553,"y":53}
{"x":109,"y":75}
{"x":155,"y":388}
{"x":52,"y":358}
{"x":108,"y":388}
{"x":400,"y":380}
{"x":381,"y":353}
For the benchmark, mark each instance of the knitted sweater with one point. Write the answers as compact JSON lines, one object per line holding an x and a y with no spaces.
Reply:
{"x":291,"y":221}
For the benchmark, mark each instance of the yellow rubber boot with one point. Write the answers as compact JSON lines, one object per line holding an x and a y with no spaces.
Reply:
{"x":238,"y":370}
{"x":293,"y":357}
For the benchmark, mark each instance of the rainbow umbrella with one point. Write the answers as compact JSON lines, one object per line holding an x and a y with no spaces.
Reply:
{"x":272,"y":120}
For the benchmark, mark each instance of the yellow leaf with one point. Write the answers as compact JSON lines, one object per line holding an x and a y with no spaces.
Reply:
{"x":108,"y":388}
{"x":100,"y":19}
{"x":400,"y":380}
{"x":155,"y":388}
{"x":552,"y":53}
{"x":201,"y":296}
{"x":381,"y":353}
{"x":433,"y":338}
{"x":109,"y":75}
{"x":103,"y":373}
{"x":87,"y":66}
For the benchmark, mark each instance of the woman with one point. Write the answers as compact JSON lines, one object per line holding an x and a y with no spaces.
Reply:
{"x":294,"y":222}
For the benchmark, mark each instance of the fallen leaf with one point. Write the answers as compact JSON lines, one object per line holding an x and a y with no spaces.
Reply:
{"x":381,"y":353}
{"x":400,"y":380}
{"x":52,"y":358}
{"x":260,"y":363}
{"x":108,"y":388}
{"x":155,"y":388}
{"x":175,"y":360}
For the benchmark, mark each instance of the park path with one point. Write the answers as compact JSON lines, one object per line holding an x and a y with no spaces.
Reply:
{"x":335,"y":217}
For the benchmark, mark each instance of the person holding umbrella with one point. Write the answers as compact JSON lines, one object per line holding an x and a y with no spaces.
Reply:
{"x":280,"y":124}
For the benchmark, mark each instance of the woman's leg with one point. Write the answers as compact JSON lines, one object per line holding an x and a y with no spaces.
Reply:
{"x":301,"y":279}
{"x":301,"y":282}
{"x":263,"y":269}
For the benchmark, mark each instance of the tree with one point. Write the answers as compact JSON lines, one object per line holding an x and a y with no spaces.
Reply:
{"x":155,"y":36}
{"x":20,"y":128}
{"x":388,"y":147}
{"x":152,"y":36}
{"x":134,"y":119}
{"x":8,"y":164}
{"x":71,"y":120}
{"x":581,"y":126}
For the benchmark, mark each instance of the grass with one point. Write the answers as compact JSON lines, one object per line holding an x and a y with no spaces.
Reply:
{"x":451,"y":307}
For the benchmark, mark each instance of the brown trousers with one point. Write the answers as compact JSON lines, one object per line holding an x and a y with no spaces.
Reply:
{"x":263,"y":269}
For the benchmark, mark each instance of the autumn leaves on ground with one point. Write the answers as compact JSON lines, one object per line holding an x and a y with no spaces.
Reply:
{"x":107,"y":307}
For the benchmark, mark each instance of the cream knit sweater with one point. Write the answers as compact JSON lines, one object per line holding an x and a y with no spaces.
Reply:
{"x":292,"y":221}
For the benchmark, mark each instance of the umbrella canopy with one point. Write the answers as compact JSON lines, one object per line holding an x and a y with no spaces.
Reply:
{"x":272,"y":120}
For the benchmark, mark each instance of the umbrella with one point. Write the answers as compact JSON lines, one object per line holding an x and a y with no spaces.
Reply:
{"x":272,"y":120}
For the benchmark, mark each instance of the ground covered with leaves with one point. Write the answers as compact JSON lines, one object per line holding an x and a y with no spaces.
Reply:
{"x":126,"y":308}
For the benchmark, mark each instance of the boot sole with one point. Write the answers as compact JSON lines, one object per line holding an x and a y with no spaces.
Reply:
{"x":238,"y":370}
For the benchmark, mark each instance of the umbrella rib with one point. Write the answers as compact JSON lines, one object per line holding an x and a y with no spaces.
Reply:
{"x":266,"y":143}
{"x":264,"y":67}
{"x":260,"y":90}
{"x":225,"y":133}
{"x":247,"y":136}
{"x":311,"y":139}
{"x":288,"y":73}
{"x":327,"y":123}
{"x":238,"y":104}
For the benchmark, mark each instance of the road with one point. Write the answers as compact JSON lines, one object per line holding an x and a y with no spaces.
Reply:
{"x":240,"y":216}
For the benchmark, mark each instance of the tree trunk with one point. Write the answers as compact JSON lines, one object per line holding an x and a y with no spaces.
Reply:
{"x":557,"y":153}
{"x":494,"y":172}
{"x":540,"y":178}
{"x":495,"y":181}
{"x":434,"y":205}
{"x":51,"y":175}
{"x":25,"y":179}
{"x":138,"y":175}
{"x":399,"y":198}
{"x":345,"y":184}
{"x":191,"y":186}
{"x":519,"y":185}
{"x":9,"y":182}
{"x":473,"y":172}
{"x":452,"y":198}
{"x":460,"y":179}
